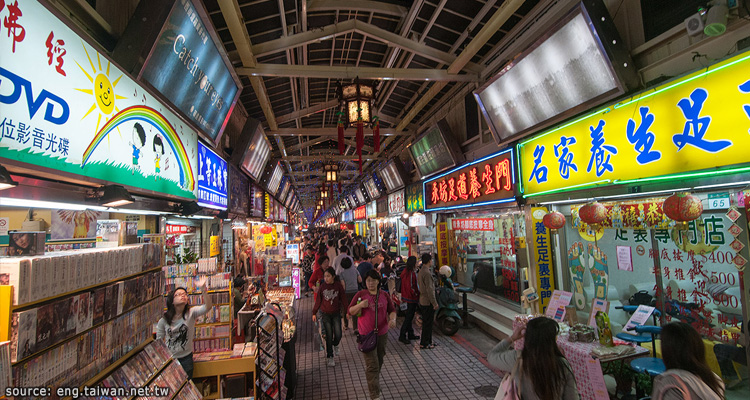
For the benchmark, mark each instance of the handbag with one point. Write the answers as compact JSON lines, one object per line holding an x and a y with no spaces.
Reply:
{"x":508,"y":389}
{"x":367,"y":343}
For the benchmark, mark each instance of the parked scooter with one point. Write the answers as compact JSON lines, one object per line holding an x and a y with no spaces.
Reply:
{"x":447,"y":318}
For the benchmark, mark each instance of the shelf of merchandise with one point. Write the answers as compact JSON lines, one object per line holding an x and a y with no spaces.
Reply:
{"x":212,"y":337}
{"x":156,"y":374}
{"x":268,"y":354}
{"x":213,"y":323}
{"x":223,"y":367}
{"x":178,"y":390}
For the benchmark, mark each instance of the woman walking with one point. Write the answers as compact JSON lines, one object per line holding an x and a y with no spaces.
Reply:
{"x":368,"y":302}
{"x":330,"y":302}
{"x":541,"y":372}
{"x":688,"y":376}
{"x":409,"y":295}
{"x":350,"y":277}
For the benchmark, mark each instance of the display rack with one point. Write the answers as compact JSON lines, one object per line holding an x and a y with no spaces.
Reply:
{"x":268,"y":361}
{"x":101,"y":314}
{"x":212,"y":330}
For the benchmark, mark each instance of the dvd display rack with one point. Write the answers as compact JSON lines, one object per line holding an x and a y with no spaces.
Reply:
{"x":212,"y":330}
{"x":268,"y":360}
{"x":97,"y":312}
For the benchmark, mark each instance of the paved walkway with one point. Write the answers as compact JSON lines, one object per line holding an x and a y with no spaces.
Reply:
{"x":453,"y":370}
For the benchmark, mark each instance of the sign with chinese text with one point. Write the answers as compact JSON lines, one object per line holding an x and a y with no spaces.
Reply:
{"x":396,"y":203}
{"x":382,"y":206}
{"x":360,"y":212}
{"x":239,"y":192}
{"x":431,"y":153}
{"x":489,"y":180}
{"x":179,"y":229}
{"x":212,"y":179}
{"x":442,"y":242}
{"x":214,"y":247}
{"x":188,"y":69}
{"x":292,"y":251}
{"x":418,"y":220}
{"x":685,"y":125}
{"x":296,"y":282}
{"x":545,"y":279}
{"x":67,"y":107}
{"x":473,"y":224}
{"x":414,"y":198}
{"x":372,"y":209}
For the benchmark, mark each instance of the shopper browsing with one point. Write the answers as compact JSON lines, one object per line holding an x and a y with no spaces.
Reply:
{"x":365,"y":303}
{"x":343,"y":253}
{"x":177,"y":326}
{"x":427,"y":301}
{"x":331,"y":303}
{"x":541,"y":372}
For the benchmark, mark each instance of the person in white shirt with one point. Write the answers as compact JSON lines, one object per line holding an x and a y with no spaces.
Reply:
{"x":343,"y":253}
{"x":177,"y":326}
{"x":331,"y":251}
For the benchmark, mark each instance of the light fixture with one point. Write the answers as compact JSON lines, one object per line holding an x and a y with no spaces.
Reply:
{"x":27,"y":203}
{"x":332,"y":172}
{"x":115,"y":196}
{"x":406,"y":215}
{"x":356,"y":101}
{"x":190,"y":208}
{"x":323,"y":192}
{"x":716,"y":18}
{"x":6,"y":181}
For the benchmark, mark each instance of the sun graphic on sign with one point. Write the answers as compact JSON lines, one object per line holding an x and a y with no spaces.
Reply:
{"x":103,"y":90}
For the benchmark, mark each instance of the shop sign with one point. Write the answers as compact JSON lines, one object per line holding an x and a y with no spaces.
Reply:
{"x":296,"y":282}
{"x":680,"y":126}
{"x":382,"y":206}
{"x":396,"y":203}
{"x":212,"y":179}
{"x":292,"y":251}
{"x":257,"y":197}
{"x":259,"y":239}
{"x":179,"y":229}
{"x":442,"y":242}
{"x":418,"y":220}
{"x":473,"y":224}
{"x":80,"y":114}
{"x":360,"y":212}
{"x":239,"y":192}
{"x":214,"y":246}
{"x":414,"y":198}
{"x":545,"y":279}
{"x":372,"y":209}
{"x":718,"y":201}
{"x":188,"y":69}
{"x":489,"y":180}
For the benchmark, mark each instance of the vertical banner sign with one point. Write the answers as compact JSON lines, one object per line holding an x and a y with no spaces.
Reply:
{"x":442,"y":233}
{"x":292,"y":252}
{"x":545,"y":279}
{"x":212,"y":179}
{"x":295,"y":282}
{"x":67,"y":107}
{"x":214,"y":250}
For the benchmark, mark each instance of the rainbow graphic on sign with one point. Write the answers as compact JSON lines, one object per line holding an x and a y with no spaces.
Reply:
{"x":154,"y":118}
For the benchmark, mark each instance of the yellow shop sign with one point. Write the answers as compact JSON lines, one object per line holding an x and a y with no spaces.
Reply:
{"x":700,"y":122}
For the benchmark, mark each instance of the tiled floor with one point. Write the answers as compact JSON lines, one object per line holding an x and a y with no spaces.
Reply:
{"x":453,"y":370}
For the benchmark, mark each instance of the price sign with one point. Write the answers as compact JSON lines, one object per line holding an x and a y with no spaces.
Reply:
{"x":718,"y":201}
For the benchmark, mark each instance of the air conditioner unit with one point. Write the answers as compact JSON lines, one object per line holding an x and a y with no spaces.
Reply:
{"x":694,"y":24}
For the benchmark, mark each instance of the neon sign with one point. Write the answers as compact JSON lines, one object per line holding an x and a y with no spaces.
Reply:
{"x":360,"y":212}
{"x":489,"y":180}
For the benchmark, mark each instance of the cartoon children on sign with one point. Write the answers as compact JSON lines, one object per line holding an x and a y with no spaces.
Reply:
{"x":159,"y":151}
{"x":139,"y":140}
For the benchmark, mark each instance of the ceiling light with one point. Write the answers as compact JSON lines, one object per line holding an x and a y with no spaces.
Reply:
{"x":26,"y":203}
{"x":115,"y":196}
{"x":6,"y":182}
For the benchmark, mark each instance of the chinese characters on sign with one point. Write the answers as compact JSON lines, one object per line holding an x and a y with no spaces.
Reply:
{"x":396,"y":203}
{"x":488,"y":180}
{"x":442,"y":242}
{"x":682,"y":126}
{"x":179,"y":229}
{"x":545,"y":280}
{"x":212,"y":178}
{"x":474,"y":224}
{"x":360,"y":212}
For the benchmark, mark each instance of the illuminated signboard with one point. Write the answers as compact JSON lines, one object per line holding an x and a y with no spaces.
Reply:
{"x":372,"y":188}
{"x":212,"y":179}
{"x":360,"y":196}
{"x":392,"y":177}
{"x":372,"y":209}
{"x":414,"y":198}
{"x":396,"y":203}
{"x":688,"y":127}
{"x":285,"y":189}
{"x":489,"y":180}
{"x":432,"y":152}
{"x":238,"y":192}
{"x":256,"y":152}
{"x":360,"y":212}
{"x":275,"y":181}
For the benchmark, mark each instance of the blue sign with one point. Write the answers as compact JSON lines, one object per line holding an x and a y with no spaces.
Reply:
{"x":188,"y":69}
{"x":212,"y":179}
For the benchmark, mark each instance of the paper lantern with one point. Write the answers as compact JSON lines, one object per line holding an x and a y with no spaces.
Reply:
{"x":682,"y":207}
{"x":554,"y":220}
{"x":593,"y":213}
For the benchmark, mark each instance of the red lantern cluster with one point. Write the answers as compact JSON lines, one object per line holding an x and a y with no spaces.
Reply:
{"x":266,"y":230}
{"x":682,"y":207}
{"x":554,"y":220}
{"x":593,"y":213}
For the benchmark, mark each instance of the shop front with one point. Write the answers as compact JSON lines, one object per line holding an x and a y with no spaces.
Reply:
{"x":480,"y":229}
{"x":395,"y":228}
{"x":422,"y":229}
{"x":360,"y":221}
{"x":658,"y":214}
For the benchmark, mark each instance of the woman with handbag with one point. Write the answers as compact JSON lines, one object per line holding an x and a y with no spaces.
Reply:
{"x":540,"y":371}
{"x":377,"y":314}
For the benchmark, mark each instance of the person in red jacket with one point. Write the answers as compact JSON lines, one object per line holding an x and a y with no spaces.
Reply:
{"x":331,"y":303}
{"x":409,"y":295}
{"x":317,"y":275}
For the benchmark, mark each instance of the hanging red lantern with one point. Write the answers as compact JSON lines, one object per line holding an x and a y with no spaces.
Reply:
{"x":593,"y":213}
{"x":682,"y":207}
{"x":554,"y":220}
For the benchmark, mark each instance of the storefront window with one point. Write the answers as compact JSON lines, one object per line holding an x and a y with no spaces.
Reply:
{"x":493,"y":247}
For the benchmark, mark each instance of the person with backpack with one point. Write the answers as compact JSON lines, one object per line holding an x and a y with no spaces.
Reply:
{"x":352,"y":280}
{"x":539,"y":371}
{"x":688,"y":376}
{"x":410,"y":296}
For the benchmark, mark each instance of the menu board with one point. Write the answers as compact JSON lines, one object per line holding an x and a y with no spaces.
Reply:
{"x":392,"y":177}
{"x":275,"y":181}
{"x":431,"y":153}
{"x":257,"y":154}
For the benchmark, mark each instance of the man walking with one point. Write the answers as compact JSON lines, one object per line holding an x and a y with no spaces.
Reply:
{"x":427,"y":301}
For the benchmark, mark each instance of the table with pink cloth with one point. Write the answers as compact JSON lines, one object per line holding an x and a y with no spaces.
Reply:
{"x":587,"y":369}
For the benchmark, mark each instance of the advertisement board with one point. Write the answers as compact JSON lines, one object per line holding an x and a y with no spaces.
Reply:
{"x":239,"y":192}
{"x":396,"y":203}
{"x":212,"y":179}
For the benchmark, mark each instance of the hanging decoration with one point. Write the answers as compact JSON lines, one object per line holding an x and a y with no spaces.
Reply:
{"x":340,"y":125}
{"x":593,"y":213}
{"x":682,"y":207}
{"x":554,"y":220}
{"x":376,"y":133}
{"x":360,"y":140}
{"x":356,"y":98}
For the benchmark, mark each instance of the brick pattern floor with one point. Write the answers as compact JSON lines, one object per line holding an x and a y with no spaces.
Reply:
{"x":453,"y":370}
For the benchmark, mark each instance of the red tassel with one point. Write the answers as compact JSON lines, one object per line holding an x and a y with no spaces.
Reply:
{"x":360,"y":142}
{"x":376,"y":133}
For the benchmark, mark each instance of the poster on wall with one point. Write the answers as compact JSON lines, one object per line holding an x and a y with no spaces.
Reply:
{"x":238,"y":192}
{"x":68,"y":224}
{"x":212,"y":179}
{"x":80,"y":114}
